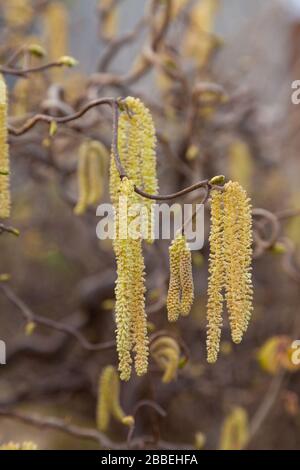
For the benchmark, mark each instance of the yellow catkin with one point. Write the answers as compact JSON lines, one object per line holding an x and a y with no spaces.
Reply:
{"x":27,"y":445}
{"x":174,"y":291}
{"x":104,"y":394}
{"x":92,"y":160}
{"x":137,"y":308}
{"x":83,"y":179}
{"x":136,"y":145}
{"x":181,"y":287}
{"x":230,"y":265}
{"x":216,"y":278}
{"x":98,"y":157}
{"x":235,"y":430}
{"x":18,"y":13}
{"x":240,"y":163}
{"x":199,"y":41}
{"x":186,"y":280}
{"x":123,"y":290}
{"x":110,"y":18}
{"x":4,"y":154}
{"x":130,"y":290}
{"x":237,"y":258}
{"x":166,"y":352}
{"x":56,"y":21}
{"x":109,"y":400}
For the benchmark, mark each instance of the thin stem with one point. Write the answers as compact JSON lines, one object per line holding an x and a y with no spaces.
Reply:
{"x":59,"y":120}
{"x":166,"y":197}
{"x":23,"y":72}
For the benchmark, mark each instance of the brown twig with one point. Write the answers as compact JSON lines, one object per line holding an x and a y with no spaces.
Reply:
{"x":26,"y":71}
{"x":61,"y":425}
{"x":30,"y":316}
{"x":8,"y":229}
{"x":60,"y":120}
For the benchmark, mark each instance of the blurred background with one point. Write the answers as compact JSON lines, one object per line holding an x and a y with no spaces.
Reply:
{"x":217,"y":77}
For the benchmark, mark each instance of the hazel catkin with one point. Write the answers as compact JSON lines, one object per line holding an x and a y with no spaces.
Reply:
{"x":109,"y":400}
{"x":229,"y":265}
{"x":181,"y":287}
{"x":4,"y":154}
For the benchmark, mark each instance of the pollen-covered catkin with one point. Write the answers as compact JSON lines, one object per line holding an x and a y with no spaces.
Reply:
{"x":230,"y":265}
{"x":181,"y":287}
{"x":216,"y":278}
{"x":130,"y":289}
{"x":137,"y":307}
{"x":174,"y":291}
{"x":4,"y":154}
{"x":186,"y":280}
{"x":109,"y":400}
{"x":237,"y":258}
{"x":123,"y":289}
{"x":136,"y":146}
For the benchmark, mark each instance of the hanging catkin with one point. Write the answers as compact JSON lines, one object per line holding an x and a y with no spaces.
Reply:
{"x":56,"y":26}
{"x":216,"y":278}
{"x":130,"y":290}
{"x":4,"y":154}
{"x":109,"y":400}
{"x":237,"y":258}
{"x":229,"y":265}
{"x":136,"y":148}
{"x":92,"y":161}
{"x":181,"y":287}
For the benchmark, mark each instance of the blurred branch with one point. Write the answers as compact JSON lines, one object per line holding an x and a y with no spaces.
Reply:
{"x":7,"y":229}
{"x":59,"y":120}
{"x":63,"y":328}
{"x":266,"y":406}
{"x":61,"y":425}
{"x":26,"y":71}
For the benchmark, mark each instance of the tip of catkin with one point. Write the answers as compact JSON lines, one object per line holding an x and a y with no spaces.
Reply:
{"x":128,"y":421}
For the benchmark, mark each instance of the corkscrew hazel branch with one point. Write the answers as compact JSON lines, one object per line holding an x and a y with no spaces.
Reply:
{"x":115,"y":103}
{"x":61,"y":62}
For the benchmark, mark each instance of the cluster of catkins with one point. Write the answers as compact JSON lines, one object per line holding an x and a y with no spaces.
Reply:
{"x":4,"y":154}
{"x":230,"y":251}
{"x":136,"y":146}
{"x":230,"y":265}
